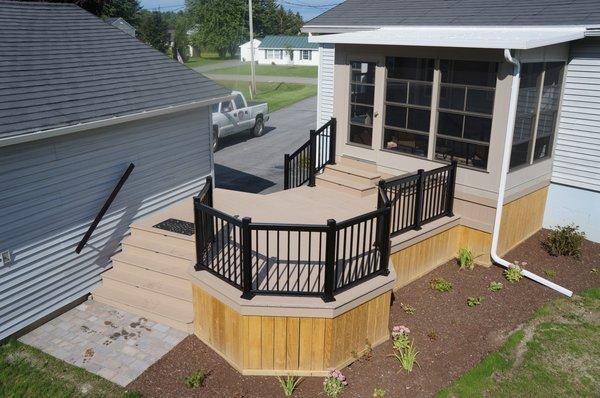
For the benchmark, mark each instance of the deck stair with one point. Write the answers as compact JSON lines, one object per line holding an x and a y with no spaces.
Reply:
{"x":351,"y":176}
{"x":149,"y":276}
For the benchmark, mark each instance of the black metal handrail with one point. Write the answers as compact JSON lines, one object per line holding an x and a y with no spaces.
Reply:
{"x":104,"y":209}
{"x":304,"y":163}
{"x":419,"y":198}
{"x":291,"y":259}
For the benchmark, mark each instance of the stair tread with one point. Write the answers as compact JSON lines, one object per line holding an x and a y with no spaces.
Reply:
{"x":354,"y":171}
{"x":170,"y":286}
{"x":346,"y":181}
{"x":148,"y":301}
{"x":148,"y":262}
{"x":156,"y":245}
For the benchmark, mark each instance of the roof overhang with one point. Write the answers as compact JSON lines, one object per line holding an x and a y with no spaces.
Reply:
{"x":22,"y":137}
{"x":501,"y":37}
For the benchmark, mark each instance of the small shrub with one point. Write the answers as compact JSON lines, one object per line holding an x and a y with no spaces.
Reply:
{"x":550,"y":273}
{"x":410,"y":310}
{"x":514,"y":273}
{"x":465,"y":259}
{"x":441,"y":285}
{"x":495,"y":286}
{"x":379,"y":392}
{"x":400,"y":337}
{"x":432,"y":335}
{"x":564,"y":241}
{"x":196,"y":379}
{"x":289,"y":384}
{"x":474,"y":301}
{"x":407,"y":357}
{"x":334,"y":384}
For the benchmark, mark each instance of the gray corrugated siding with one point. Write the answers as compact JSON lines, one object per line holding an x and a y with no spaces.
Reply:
{"x":325,"y":94}
{"x":52,"y":189}
{"x":577,"y":154}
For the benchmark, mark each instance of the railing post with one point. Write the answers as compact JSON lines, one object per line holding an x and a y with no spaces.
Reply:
{"x":380,"y":203}
{"x":384,"y":243}
{"x":419,"y":200}
{"x":312,"y":150}
{"x":209,"y":196}
{"x":286,"y":171}
{"x":199,"y":234}
{"x":451,"y":185}
{"x":247,"y":259}
{"x":332,"y":138}
{"x":330,"y":261}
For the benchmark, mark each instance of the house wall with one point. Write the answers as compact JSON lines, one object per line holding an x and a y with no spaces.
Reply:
{"x":325,"y":91}
{"x":575,"y":191}
{"x":261,"y":58}
{"x":53,"y":189}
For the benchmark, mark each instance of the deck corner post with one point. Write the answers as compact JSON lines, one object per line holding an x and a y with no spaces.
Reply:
{"x":332,"y":140}
{"x":451,"y":187}
{"x":312,"y":163}
{"x":209,"y":182}
{"x":329,"y":285}
{"x":247,"y":259}
{"x":286,"y":171}
{"x":199,"y":233}
{"x":419,"y":200}
{"x":384,"y":237}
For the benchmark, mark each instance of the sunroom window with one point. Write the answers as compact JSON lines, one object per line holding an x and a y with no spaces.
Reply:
{"x":465,"y":113}
{"x":362,"y":96}
{"x":408,"y":105}
{"x":537,"y":111}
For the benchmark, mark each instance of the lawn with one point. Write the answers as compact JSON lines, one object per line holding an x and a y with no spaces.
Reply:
{"x":270,"y":70}
{"x":206,"y":59}
{"x":28,"y":372}
{"x":556,"y":353}
{"x":277,"y":95}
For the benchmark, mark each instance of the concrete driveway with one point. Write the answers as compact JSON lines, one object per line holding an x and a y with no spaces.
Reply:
{"x":255,"y":164}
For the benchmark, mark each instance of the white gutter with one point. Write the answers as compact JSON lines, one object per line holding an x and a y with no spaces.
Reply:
{"x":504,"y":171}
{"x":38,"y":135}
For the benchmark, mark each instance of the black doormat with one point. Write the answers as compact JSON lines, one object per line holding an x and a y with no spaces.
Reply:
{"x":177,"y":226}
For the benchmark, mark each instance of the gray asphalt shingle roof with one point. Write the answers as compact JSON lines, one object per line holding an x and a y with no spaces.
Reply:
{"x":279,"y":42}
{"x":60,"y":66}
{"x":461,"y":12}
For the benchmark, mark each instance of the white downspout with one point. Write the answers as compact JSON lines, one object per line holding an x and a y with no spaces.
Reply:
{"x":512,"y":111}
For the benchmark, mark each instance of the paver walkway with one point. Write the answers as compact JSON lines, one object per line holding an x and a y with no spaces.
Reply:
{"x":111,"y":343}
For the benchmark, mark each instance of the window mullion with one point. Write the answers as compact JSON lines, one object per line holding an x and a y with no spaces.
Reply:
{"x":531,"y":149}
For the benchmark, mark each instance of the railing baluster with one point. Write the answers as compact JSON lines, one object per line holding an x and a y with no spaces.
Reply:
{"x":330,"y":260}
{"x":247,"y":258}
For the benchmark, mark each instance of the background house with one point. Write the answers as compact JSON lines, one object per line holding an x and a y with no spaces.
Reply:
{"x":75,"y":114}
{"x":245,"y":51}
{"x":287,"y":50}
{"x":121,"y":24}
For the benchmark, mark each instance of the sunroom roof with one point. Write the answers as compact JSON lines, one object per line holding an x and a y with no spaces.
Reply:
{"x":501,"y":37}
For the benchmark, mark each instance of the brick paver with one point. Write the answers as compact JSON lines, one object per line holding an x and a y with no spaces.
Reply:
{"x":114,"y":344}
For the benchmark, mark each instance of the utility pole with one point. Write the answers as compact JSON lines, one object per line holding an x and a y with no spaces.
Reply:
{"x":252,"y":71}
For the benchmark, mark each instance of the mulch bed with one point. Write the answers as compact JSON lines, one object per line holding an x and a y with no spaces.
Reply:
{"x":450,"y":336}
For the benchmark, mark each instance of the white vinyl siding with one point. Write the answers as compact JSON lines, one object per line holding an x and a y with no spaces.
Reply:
{"x":325,"y":93}
{"x":52,"y":189}
{"x":577,"y":153}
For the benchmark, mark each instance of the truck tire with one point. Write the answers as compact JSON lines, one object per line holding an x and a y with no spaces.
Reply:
{"x":259,"y":127}
{"x":215,"y":137}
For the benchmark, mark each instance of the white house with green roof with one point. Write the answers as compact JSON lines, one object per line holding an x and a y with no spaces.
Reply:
{"x":286,"y":50}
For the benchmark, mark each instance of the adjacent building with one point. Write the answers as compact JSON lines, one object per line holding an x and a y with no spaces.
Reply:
{"x":282,"y":50}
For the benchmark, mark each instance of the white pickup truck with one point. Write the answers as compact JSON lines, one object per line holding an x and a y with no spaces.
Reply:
{"x":237,"y":115}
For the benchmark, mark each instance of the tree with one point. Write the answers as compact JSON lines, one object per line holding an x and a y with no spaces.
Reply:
{"x":129,"y":10}
{"x":181,"y":41}
{"x":154,"y":30}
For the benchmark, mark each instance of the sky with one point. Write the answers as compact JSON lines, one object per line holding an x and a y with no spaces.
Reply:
{"x":307,"y":8}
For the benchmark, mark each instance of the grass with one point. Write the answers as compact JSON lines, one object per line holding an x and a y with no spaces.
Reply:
{"x":556,"y":353}
{"x":206,"y":59}
{"x":28,"y":372}
{"x":270,"y":70}
{"x":277,"y":95}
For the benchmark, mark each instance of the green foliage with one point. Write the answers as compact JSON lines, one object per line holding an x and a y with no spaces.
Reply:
{"x":129,"y":10}
{"x":334,"y":384}
{"x":407,"y":357}
{"x":495,"y":286}
{"x":154,"y":31}
{"x":514,"y":273}
{"x":564,"y":241}
{"x":465,"y":259}
{"x":180,"y":40}
{"x":474,"y":301}
{"x":409,"y":309}
{"x":550,"y":273}
{"x":379,"y":392}
{"x":289,"y":384}
{"x":196,"y":379}
{"x":441,"y":285}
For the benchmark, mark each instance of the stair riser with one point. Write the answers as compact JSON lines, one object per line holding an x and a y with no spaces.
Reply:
{"x":370,"y":167}
{"x":345,"y":189}
{"x":341,"y":174}
{"x":164,"y":239}
{"x":184,"y":297}
{"x":184,"y":327}
{"x":184,"y":256}
{"x":176,"y":272}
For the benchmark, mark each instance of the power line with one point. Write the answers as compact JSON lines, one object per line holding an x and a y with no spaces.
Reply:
{"x":304,"y":5}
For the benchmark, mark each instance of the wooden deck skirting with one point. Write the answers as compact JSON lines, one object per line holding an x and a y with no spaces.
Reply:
{"x":278,"y":345}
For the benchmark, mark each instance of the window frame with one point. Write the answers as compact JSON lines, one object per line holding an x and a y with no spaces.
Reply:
{"x":308,"y":56}
{"x":362,"y":60}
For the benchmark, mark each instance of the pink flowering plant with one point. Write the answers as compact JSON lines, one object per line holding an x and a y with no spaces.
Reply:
{"x":334,"y":384}
{"x":404,"y":350}
{"x":400,"y":337}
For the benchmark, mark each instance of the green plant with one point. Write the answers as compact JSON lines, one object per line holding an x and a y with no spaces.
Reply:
{"x":514,"y":273}
{"x":379,"y":392}
{"x":410,"y":310}
{"x":594,"y":270}
{"x":400,"y":337}
{"x":289,"y":384}
{"x":474,"y":301}
{"x":440,"y":284}
{"x":465,"y":259}
{"x":564,"y":241}
{"x":550,"y":273}
{"x":495,"y":286}
{"x":196,"y":379}
{"x":407,"y":357}
{"x":334,"y":384}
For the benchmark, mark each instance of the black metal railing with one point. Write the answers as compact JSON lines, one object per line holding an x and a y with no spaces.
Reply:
{"x":291,"y":259}
{"x":104,"y":209}
{"x":419,"y":198}
{"x":304,"y":163}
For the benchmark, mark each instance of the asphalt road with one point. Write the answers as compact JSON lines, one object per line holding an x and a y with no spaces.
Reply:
{"x":255,"y":164}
